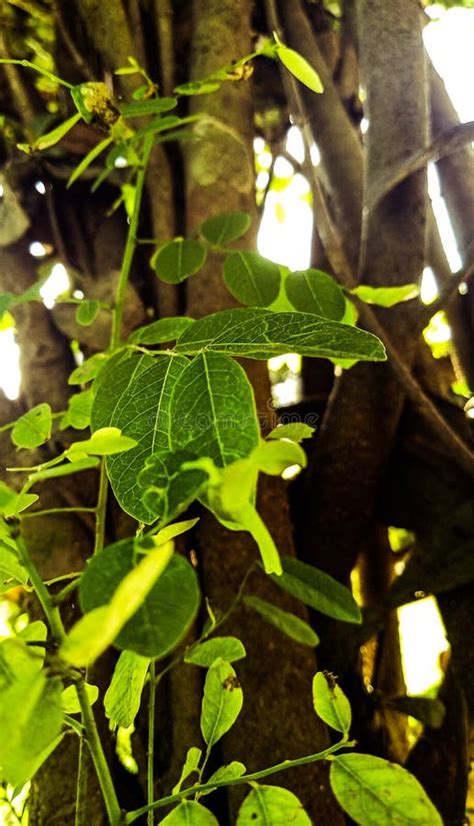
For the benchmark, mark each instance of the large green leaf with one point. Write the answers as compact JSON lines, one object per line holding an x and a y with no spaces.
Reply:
{"x":134,"y":394}
{"x":189,"y":813}
{"x":167,"y":611}
{"x":286,"y":622}
{"x":229,"y":649}
{"x":262,"y":334}
{"x":213,"y":410}
{"x":165,"y":329}
{"x":221,"y":703}
{"x":100,"y":627}
{"x":271,"y":806}
{"x":30,"y":722}
{"x":225,"y":227}
{"x":253,"y":280}
{"x":318,"y":590}
{"x":313,"y":291}
{"x":375,"y":792}
{"x":122,"y":698}
{"x":330,"y":703}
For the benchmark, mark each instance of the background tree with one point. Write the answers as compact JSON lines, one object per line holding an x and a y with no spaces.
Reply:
{"x":392,"y":447}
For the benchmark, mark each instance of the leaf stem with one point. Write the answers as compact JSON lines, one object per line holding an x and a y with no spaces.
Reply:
{"x":245,"y":778}
{"x":130,"y":245}
{"x":28,"y":65}
{"x":151,"y":743}
{"x":51,"y":511}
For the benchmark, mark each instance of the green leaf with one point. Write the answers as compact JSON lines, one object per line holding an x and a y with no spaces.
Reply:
{"x":114,"y":595}
{"x":170,"y":486}
{"x":68,"y":469}
{"x":429,"y":710}
{"x":287,"y":623}
{"x":30,"y":721}
{"x":12,"y":573}
{"x":147,"y":107}
{"x":197,"y":87}
{"x":123,"y":696}
{"x":78,"y":414}
{"x":300,"y":68}
{"x":165,"y":329}
{"x":106,"y":441}
{"x":271,"y":806}
{"x":313,"y":291}
{"x":262,"y":334}
{"x":89,"y":369}
{"x":162,"y":620}
{"x":386,"y":296}
{"x":229,"y":649}
{"x":221,"y":703}
{"x":250,"y":520}
{"x":318,"y":590}
{"x":277,"y":455}
{"x":134,"y":393}
{"x":70,"y":701}
{"x":87,"y":311}
{"x":12,"y":503}
{"x":189,"y":813}
{"x":191,"y":764}
{"x":51,"y":138}
{"x":33,"y":428}
{"x":375,"y":792}
{"x":330,"y":703}
{"x":225,"y":773}
{"x":213,"y":410}
{"x":225,"y":227}
{"x":87,"y":160}
{"x":177,"y":260}
{"x":252,"y":279}
{"x":296,"y":431}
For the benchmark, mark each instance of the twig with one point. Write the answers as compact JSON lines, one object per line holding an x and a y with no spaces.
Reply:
{"x":448,"y":292}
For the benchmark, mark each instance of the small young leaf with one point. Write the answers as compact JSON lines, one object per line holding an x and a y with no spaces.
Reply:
{"x":191,"y":764}
{"x":147,"y":107}
{"x":318,"y":590}
{"x":51,"y":138}
{"x":229,"y":772}
{"x":99,"y":628}
{"x":12,"y":503}
{"x":177,"y":260}
{"x":251,"y":279}
{"x":295,"y":431}
{"x":222,"y":701}
{"x":197,"y":87}
{"x":70,"y":701}
{"x":330,"y":703}
{"x":262,"y":334}
{"x":104,"y":442}
{"x":375,"y":792}
{"x":165,"y":329}
{"x":229,"y":649}
{"x":158,"y":625}
{"x":12,"y":573}
{"x":122,"y":698}
{"x":78,"y":414}
{"x":313,"y":291}
{"x":87,"y":160}
{"x":225,"y":227}
{"x":87,"y":311}
{"x":300,"y":68}
{"x":189,"y":813}
{"x":176,"y":529}
{"x":429,"y":710}
{"x":287,"y":623}
{"x":275,"y":456}
{"x":386,"y":296}
{"x":271,"y":806}
{"x":89,"y":369}
{"x":33,"y":428}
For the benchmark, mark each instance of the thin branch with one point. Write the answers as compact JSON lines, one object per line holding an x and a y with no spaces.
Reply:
{"x":76,"y":55}
{"x":449,"y":290}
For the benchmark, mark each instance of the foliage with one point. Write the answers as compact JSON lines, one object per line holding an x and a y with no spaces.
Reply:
{"x":169,"y":428}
